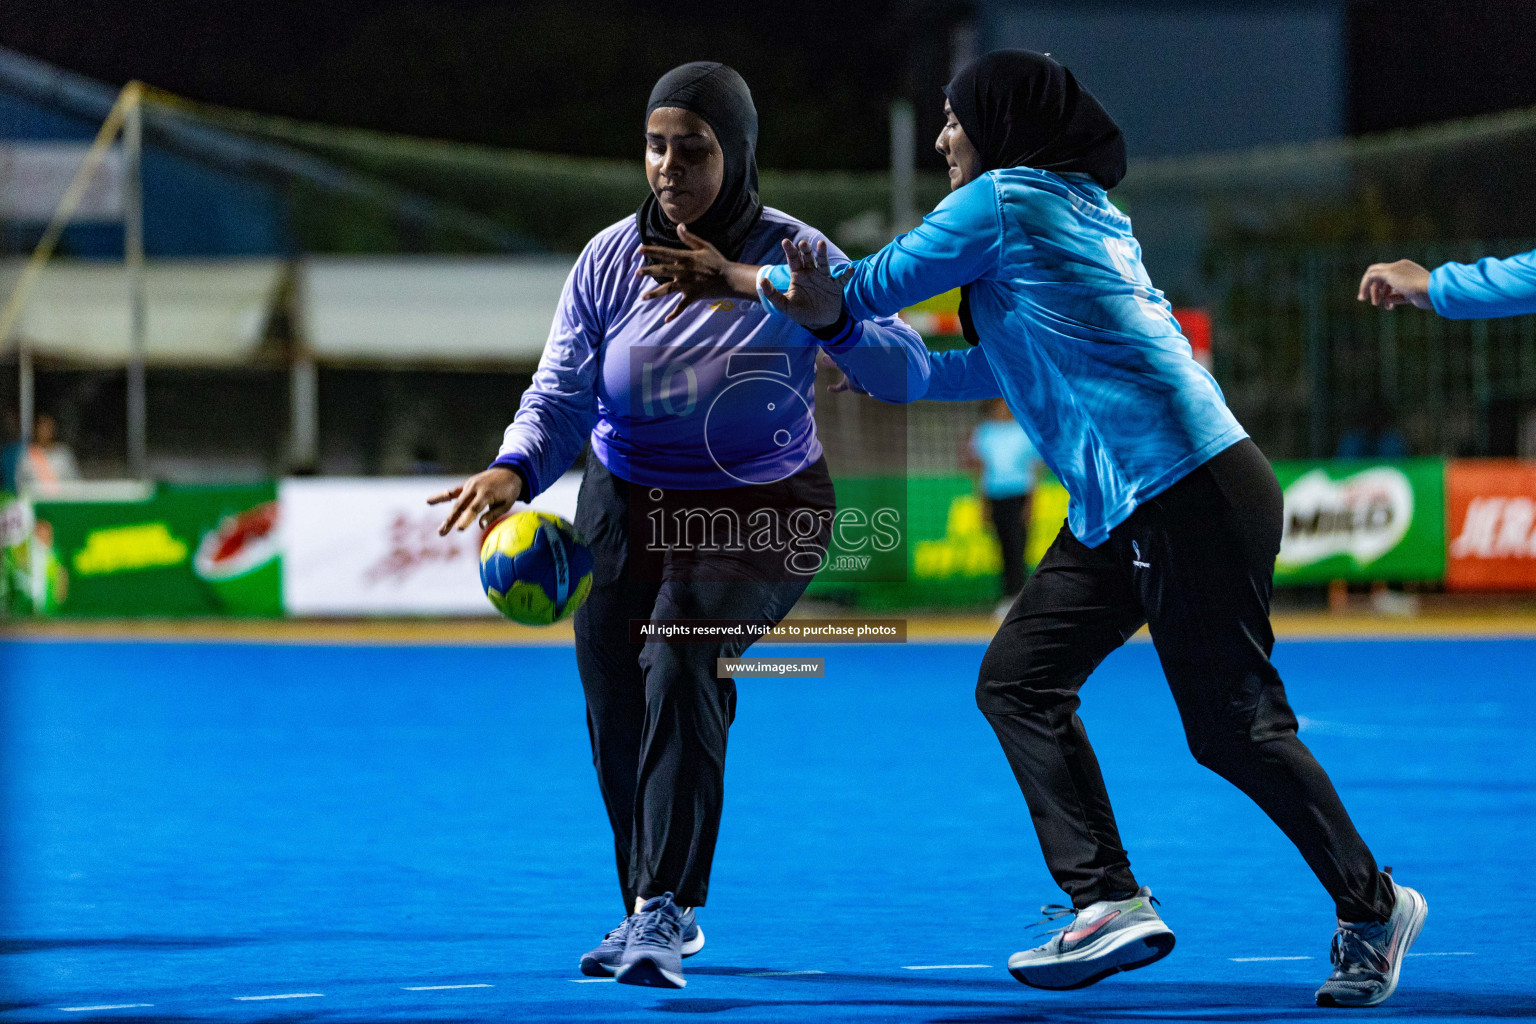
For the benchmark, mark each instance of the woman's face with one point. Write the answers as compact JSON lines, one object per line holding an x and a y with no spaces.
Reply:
{"x":683,"y":162}
{"x":957,"y":151}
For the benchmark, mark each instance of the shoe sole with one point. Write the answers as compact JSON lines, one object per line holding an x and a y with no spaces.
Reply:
{"x":1411,"y":929}
{"x":646,"y":971}
{"x":595,"y":968}
{"x":1124,"y":951}
{"x":693,"y":945}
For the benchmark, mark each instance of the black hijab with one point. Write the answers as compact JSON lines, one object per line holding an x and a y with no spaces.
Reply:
{"x":721,"y":97}
{"x":1022,"y":109}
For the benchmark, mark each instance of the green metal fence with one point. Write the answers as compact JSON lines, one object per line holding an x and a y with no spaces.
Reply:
{"x":1303,"y":362}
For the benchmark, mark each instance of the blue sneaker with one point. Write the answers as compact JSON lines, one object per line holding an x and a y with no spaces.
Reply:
{"x":602,"y":961}
{"x":1367,"y":958}
{"x":660,"y":935}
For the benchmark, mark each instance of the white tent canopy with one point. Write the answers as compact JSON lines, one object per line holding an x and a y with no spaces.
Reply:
{"x":429,"y":310}
{"x":198,"y":313}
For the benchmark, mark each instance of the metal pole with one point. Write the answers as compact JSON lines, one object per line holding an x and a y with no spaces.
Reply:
{"x":133,"y":260}
{"x":903,"y":166}
{"x":1317,"y":356}
{"x":304,"y":413}
{"x":24,"y":384}
{"x":1482,"y":387}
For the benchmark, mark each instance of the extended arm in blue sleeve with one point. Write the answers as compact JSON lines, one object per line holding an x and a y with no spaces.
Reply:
{"x":1489,"y":287}
{"x":882,"y":357}
{"x":959,"y":242}
{"x":559,"y":409}
{"x":963,"y":375}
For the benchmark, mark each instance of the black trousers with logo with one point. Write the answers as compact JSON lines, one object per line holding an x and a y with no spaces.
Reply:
{"x":656,"y":715}
{"x":1196,"y":565}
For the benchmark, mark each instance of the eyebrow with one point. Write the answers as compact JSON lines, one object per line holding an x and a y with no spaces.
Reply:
{"x":682,"y":135}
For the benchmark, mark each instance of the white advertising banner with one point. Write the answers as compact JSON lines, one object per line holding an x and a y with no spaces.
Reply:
{"x":369,"y":546}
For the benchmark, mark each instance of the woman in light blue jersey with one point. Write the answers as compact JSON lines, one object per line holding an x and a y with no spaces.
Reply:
{"x":1174,"y":519}
{"x":707,"y":496}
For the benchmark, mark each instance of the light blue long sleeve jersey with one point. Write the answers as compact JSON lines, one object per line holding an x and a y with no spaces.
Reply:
{"x":1489,"y":287}
{"x":1074,"y":337}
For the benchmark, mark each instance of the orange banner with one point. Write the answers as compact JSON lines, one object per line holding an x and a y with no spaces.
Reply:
{"x":1491,"y":525}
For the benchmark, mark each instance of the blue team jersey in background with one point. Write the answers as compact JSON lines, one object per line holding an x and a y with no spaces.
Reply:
{"x":1073,"y":336}
{"x":1007,"y":458}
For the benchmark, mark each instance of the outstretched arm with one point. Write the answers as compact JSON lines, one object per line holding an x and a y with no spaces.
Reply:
{"x":959,"y":242}
{"x":554,"y":417}
{"x":962,"y":375}
{"x":1461,"y":291}
{"x":1489,"y":287}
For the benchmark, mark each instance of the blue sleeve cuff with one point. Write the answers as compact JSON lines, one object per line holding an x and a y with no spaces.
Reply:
{"x":519,"y":464}
{"x":1437,"y":285}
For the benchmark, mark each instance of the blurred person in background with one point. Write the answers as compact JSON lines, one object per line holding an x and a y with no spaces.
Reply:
{"x":1006,"y":462}
{"x":46,"y":462}
{"x":1174,"y":518}
{"x":657,"y":715}
{"x":1374,"y":436}
{"x":1459,"y":291}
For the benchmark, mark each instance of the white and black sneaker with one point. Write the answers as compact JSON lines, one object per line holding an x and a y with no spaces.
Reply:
{"x":1101,"y":939}
{"x":1367,"y":957}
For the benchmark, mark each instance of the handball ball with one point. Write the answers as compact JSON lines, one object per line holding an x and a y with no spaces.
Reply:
{"x":535,"y":568}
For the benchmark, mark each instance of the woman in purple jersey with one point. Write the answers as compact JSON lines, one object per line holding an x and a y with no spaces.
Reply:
{"x":707,"y":496}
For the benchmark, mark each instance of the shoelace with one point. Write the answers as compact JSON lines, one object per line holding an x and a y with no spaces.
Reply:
{"x":1354,"y":952}
{"x":657,"y":928}
{"x":1054,"y":912}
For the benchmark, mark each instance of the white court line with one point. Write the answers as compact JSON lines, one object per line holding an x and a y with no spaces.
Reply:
{"x":441,"y":988}
{"x":285,"y":995}
{"x":592,"y":981}
{"x":779,"y":974}
{"x":1263,"y":959}
{"x":1442,"y":954}
{"x":107,"y":1006}
{"x":944,"y":967}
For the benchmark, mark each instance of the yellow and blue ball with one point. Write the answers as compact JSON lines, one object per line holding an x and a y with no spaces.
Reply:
{"x":535,"y":568}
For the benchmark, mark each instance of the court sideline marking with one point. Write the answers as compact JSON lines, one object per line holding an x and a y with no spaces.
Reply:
{"x":598,"y":981}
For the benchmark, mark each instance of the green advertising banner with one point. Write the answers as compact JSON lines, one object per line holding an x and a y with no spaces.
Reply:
{"x":1362,"y":520}
{"x":948,"y":556}
{"x":186,"y":550}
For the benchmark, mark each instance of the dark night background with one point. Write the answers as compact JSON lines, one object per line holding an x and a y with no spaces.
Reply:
{"x":571,"y":77}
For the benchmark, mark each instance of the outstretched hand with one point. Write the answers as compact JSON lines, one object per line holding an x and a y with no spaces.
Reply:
{"x":485,"y":496}
{"x":698,"y":272}
{"x":1389,"y":285}
{"x":814,"y":298}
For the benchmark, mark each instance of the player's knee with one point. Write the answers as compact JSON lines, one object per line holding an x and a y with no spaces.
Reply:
{"x":1017,"y":682}
{"x":676,"y":671}
{"x":1224,"y":743}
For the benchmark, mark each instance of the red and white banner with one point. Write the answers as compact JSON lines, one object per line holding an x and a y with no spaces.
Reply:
{"x":1491,"y":525}
{"x":366,"y":546}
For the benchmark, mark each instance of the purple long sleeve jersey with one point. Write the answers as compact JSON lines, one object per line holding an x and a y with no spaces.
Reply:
{"x":722,"y":396}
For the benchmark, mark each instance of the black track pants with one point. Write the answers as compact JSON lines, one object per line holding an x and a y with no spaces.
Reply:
{"x":1196,"y":564}
{"x":656,"y":714}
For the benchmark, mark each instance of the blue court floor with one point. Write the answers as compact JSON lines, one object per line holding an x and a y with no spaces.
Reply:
{"x":213,"y":831}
